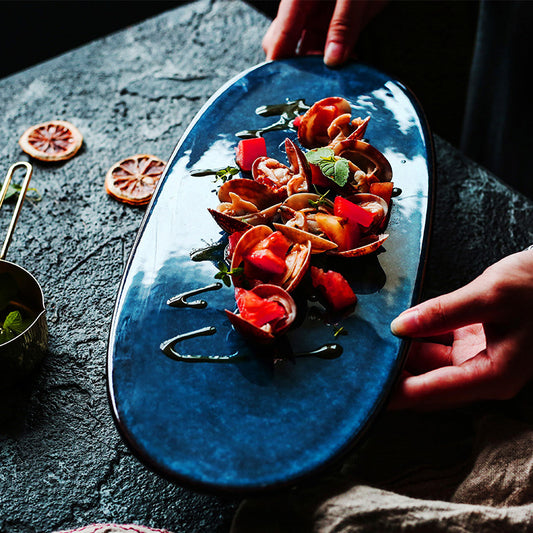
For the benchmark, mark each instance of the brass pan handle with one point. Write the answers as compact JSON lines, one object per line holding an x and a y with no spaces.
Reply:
{"x":18,"y":207}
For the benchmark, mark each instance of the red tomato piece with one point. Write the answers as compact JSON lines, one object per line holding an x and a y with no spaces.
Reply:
{"x":267,"y":261}
{"x":382,"y":189}
{"x":353,"y":212}
{"x":297,"y":121}
{"x":257,"y":310}
{"x":334,"y":287}
{"x":341,"y":230}
{"x":318,"y":178}
{"x":353,"y":237}
{"x":233,"y":239}
{"x":248,"y":150}
{"x":254,"y":275}
{"x":275,"y":242}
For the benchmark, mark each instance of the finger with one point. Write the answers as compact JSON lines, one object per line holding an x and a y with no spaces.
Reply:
{"x":445,"y":313}
{"x":283,"y":35}
{"x":316,"y":28}
{"x":312,"y":41}
{"x":344,"y":29}
{"x":445,"y":338}
{"x":449,"y":386}
{"x":426,"y":356}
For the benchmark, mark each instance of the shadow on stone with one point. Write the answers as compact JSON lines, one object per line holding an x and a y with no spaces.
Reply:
{"x":16,"y":387}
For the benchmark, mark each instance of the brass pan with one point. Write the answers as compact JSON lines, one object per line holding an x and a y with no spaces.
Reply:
{"x":19,"y":290}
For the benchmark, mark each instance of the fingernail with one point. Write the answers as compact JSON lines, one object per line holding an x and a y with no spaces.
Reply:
{"x":405,"y":323}
{"x":334,"y":54}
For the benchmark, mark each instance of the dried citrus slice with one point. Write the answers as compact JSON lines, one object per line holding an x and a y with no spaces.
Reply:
{"x":134,"y":179}
{"x":55,"y":140}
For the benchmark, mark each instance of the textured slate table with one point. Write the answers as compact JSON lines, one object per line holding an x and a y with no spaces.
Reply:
{"x":62,"y":462}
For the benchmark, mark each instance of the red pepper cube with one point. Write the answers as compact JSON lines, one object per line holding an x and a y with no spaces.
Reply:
{"x":353,"y":212}
{"x":248,"y":150}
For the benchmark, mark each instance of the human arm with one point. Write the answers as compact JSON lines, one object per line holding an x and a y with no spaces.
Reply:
{"x":319,"y":26}
{"x":475,"y":343}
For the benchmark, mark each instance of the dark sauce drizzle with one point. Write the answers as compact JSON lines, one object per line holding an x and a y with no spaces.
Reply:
{"x":211,"y":252}
{"x":281,"y":350}
{"x":168,"y":348}
{"x":287,"y":113}
{"x":327,"y":351}
{"x":180,"y":300}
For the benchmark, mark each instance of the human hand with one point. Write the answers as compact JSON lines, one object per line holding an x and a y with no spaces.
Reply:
{"x":487,"y":349}
{"x":331,"y":27}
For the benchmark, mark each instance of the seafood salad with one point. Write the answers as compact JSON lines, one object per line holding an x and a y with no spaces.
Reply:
{"x":332,"y":198}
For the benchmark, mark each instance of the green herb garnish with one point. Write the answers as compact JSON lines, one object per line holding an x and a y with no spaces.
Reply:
{"x":221,"y":174}
{"x":321,"y":201}
{"x":340,"y":331}
{"x":13,"y":325}
{"x":335,"y":168}
{"x":225,"y":174}
{"x":224,"y":274}
{"x":14,"y":189}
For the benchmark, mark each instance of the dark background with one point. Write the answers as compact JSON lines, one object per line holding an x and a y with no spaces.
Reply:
{"x":33,"y":31}
{"x":425,"y":44}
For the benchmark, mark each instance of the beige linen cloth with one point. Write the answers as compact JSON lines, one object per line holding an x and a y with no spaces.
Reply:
{"x":466,"y":470}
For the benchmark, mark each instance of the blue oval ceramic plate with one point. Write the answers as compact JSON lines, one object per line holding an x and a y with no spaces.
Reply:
{"x":250,"y":423}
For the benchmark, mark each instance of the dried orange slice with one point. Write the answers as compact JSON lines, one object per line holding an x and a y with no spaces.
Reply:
{"x":55,"y":140}
{"x":134,"y":179}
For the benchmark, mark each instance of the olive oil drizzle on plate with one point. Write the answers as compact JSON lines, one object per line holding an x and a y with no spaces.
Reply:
{"x":327,"y":351}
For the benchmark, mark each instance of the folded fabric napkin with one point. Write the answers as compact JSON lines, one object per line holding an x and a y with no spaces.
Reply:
{"x":462,"y":470}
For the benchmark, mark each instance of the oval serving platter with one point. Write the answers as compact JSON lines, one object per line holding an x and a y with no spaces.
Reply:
{"x":226,"y":416}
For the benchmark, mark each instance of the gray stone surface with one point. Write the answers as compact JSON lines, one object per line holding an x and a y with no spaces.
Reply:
{"x":62,"y":462}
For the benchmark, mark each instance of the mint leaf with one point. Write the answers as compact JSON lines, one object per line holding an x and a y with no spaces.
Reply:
{"x":333,"y":167}
{"x":317,"y":155}
{"x":15,"y":189}
{"x":341,"y":172}
{"x":336,"y":169}
{"x":13,"y":325}
{"x":327,"y":166}
{"x":14,"y":322}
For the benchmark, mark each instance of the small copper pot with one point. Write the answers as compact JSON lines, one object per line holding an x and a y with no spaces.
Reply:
{"x":20,"y":291}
